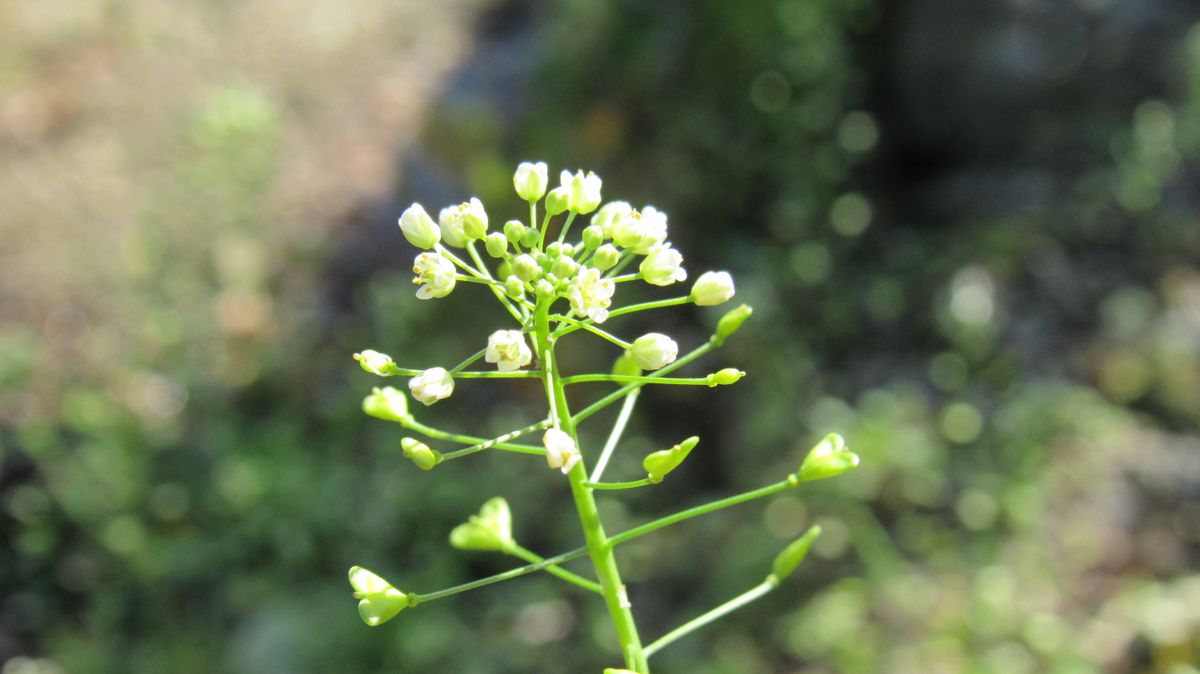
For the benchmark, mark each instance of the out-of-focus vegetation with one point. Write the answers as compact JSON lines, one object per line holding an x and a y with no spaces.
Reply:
{"x":969,"y":230}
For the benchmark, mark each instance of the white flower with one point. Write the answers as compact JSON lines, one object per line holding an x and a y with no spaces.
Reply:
{"x":561,"y":451}
{"x":663,"y":266}
{"x":641,"y":231}
{"x":583,"y":190}
{"x":530,"y":180}
{"x":654,"y":350}
{"x":435,"y":276}
{"x":432,"y":385}
{"x":375,"y":362}
{"x":451,"y":223}
{"x":418,"y":227}
{"x":508,"y":350}
{"x":712,"y":288}
{"x":590,"y":294}
{"x":608,"y":216}
{"x":463,"y":222}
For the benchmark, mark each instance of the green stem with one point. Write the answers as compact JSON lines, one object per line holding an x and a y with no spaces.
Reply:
{"x":704,"y":509}
{"x":497,"y":441}
{"x":626,"y":277}
{"x":614,"y":436}
{"x":495,"y":287}
{"x":599,"y":548}
{"x":632,"y":378}
{"x":645,"y":306}
{"x":607,"y":336}
{"x":630,"y":388}
{"x":414,"y":598}
{"x":530,"y":556}
{"x":470,"y":359}
{"x":626,"y":257}
{"x":715,"y":614}
{"x":545,"y":226}
{"x":439,"y":434}
{"x":613,"y":486}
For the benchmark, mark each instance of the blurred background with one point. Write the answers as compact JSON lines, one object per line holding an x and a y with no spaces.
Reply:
{"x":969,"y":230}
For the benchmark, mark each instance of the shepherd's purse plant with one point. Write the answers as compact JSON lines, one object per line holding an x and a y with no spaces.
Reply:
{"x":553,"y":288}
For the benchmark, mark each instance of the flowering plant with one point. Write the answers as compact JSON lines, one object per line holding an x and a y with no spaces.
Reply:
{"x":532,"y":273}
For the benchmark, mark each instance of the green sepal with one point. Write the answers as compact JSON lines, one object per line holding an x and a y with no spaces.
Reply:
{"x":490,"y":530}
{"x":731,"y":322}
{"x":379,"y":602}
{"x":658,"y":464}
{"x":787,"y":561}
{"x":387,"y":403}
{"x":829,"y":458}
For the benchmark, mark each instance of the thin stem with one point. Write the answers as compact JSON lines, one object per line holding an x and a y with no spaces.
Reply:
{"x":644,"y":306}
{"x":704,"y":509}
{"x":715,"y":614}
{"x":397,"y":371}
{"x":626,"y":277}
{"x":439,"y":434}
{"x":414,"y":598}
{"x":626,"y":257}
{"x":500,"y":296}
{"x":630,"y":388}
{"x":607,"y":336}
{"x":530,"y":556}
{"x":470,"y":359}
{"x":562,"y":236}
{"x":614,"y":436}
{"x":532,"y":215}
{"x":458,"y":261}
{"x":472,"y":279}
{"x":545,"y":226}
{"x":613,"y":486}
{"x":631,"y":378}
{"x":496,"y":441}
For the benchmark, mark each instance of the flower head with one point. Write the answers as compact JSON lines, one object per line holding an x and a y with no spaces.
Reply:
{"x":663,"y":266}
{"x":583,"y":190}
{"x":654,"y":350}
{"x":418,"y":227}
{"x":435,"y":276}
{"x":590,"y":294}
{"x":712,"y":288}
{"x":432,"y":385}
{"x":561,"y":451}
{"x":641,"y":231}
{"x":530,"y":180}
{"x":508,"y":350}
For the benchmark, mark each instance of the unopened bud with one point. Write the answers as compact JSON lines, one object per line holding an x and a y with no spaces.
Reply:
{"x":387,"y":403}
{"x":526,"y":268}
{"x":829,"y":458}
{"x":496,"y":244}
{"x":375,"y":362}
{"x":787,"y":561}
{"x":725,"y":377}
{"x":564,"y":267}
{"x":514,"y":230}
{"x":544,"y":289}
{"x":558,"y":200}
{"x":420,"y":453}
{"x":606,"y":257}
{"x":592,"y":236}
{"x":514,"y":287}
{"x":731,"y":322}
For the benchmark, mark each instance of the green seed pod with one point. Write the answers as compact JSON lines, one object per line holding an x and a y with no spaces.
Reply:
{"x":379,"y":601}
{"x":490,"y":530}
{"x":658,"y":464}
{"x":725,"y":377}
{"x":420,"y":453}
{"x":829,"y":458}
{"x":730,"y":323}
{"x":387,"y":403}
{"x":787,"y":561}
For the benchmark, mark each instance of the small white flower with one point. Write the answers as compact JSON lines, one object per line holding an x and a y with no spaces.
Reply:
{"x":561,"y":451}
{"x":654,"y":350}
{"x":451,"y":223}
{"x":663,"y":266}
{"x":583,"y":190}
{"x":590,"y":294}
{"x":508,"y":350}
{"x":608,"y":216}
{"x":712,"y":288}
{"x":641,"y":231}
{"x":464,"y":222}
{"x":418,"y":227}
{"x":375,"y":362}
{"x":435,"y":276}
{"x":530,"y":180}
{"x":432,"y":385}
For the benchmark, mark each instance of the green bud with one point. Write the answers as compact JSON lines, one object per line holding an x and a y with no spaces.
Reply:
{"x":504,"y":269}
{"x":564,"y":267}
{"x":496,"y":244}
{"x":606,"y":257}
{"x":531,"y":237}
{"x":474,"y":219}
{"x":526,"y":268}
{"x":725,"y":377}
{"x":544,"y":289}
{"x":491,"y":529}
{"x":514,"y":230}
{"x":554,"y":249}
{"x":420,"y":453}
{"x":658,"y":464}
{"x":730,"y":323}
{"x":592,"y":236}
{"x":379,"y":602}
{"x":829,"y":458}
{"x":375,"y":362}
{"x":627,"y":366}
{"x":387,"y":403}
{"x":558,"y":200}
{"x":787,"y":561}
{"x":514,"y":287}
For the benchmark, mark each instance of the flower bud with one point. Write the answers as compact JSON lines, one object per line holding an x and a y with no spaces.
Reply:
{"x":419,"y":228}
{"x":376,"y":363}
{"x":544,"y":289}
{"x":663,"y":266}
{"x":496,"y":244}
{"x":475,"y":219}
{"x":829,"y":458}
{"x":504,"y":269}
{"x":609,"y":214}
{"x":508,"y":350}
{"x":564,"y":267}
{"x":514,"y":230}
{"x":554,"y":249}
{"x":451,"y":224}
{"x":561,"y":451}
{"x":658,"y":464}
{"x":712,"y":288}
{"x":584,"y":190}
{"x":626,"y":366}
{"x":432,"y":385}
{"x":654,"y":350}
{"x":530,"y":180}
{"x":420,"y":453}
{"x":787,"y":561}
{"x":387,"y":403}
{"x":730,"y":323}
{"x":558,"y":200}
{"x":379,"y":602}
{"x":592,"y":237}
{"x":526,"y":268}
{"x":606,"y":257}
{"x":514,"y":287}
{"x":490,"y":530}
{"x":729,"y":375}
{"x":531,"y":237}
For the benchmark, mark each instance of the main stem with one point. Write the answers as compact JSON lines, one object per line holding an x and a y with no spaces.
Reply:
{"x":615,"y":596}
